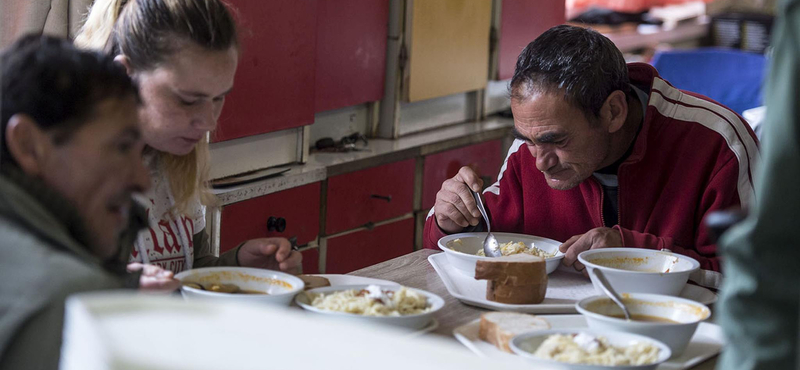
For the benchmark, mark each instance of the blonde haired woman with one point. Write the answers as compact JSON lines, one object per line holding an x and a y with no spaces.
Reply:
{"x":183,"y":54}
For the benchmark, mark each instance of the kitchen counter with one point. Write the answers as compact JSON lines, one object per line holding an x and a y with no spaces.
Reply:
{"x":322,"y":165}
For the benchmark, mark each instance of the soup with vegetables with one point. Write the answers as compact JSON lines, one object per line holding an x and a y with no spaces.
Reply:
{"x":223,"y":288}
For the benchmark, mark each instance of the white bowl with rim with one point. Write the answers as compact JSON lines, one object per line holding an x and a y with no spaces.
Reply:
{"x":279,"y":287}
{"x":525,"y":345}
{"x":414,"y":321}
{"x":637,"y":270}
{"x":603,"y":314}
{"x":462,"y":255}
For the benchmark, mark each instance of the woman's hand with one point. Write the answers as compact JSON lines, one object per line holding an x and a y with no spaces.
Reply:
{"x":271,"y":254}
{"x":155,"y":279}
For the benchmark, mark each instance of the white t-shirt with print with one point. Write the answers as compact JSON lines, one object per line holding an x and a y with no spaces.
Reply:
{"x":168,"y":242}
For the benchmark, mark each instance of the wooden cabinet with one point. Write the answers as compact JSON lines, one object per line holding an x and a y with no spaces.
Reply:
{"x":448,"y":47}
{"x":274,"y":83}
{"x":364,"y":248}
{"x":296,"y":209}
{"x":522,"y":21}
{"x":350,"y":53}
{"x":371,"y":195}
{"x":485,"y":158}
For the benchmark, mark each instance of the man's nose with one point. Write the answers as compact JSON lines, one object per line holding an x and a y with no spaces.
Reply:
{"x":545,"y":159}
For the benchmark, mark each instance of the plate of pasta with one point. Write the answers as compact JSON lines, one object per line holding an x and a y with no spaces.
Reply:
{"x":383,"y":304}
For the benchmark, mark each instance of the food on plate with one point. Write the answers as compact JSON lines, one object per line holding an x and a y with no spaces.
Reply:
{"x":222,"y":288}
{"x":372,"y":301}
{"x":510,"y":248}
{"x":313,"y":281}
{"x":515,"y":279}
{"x":499,"y":327}
{"x":586,"y":349}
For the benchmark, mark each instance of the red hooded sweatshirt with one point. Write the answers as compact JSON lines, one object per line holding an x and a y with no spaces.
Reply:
{"x":691,"y":157}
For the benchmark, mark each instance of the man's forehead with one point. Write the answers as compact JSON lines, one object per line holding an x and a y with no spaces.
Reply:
{"x":118,"y":114}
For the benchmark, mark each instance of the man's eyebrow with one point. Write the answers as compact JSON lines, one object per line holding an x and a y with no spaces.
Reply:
{"x":518,"y":135}
{"x":549,"y":137}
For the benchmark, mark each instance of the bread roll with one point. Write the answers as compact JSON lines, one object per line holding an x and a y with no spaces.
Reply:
{"x":314,"y":281}
{"x":515,"y":279}
{"x":499,"y":327}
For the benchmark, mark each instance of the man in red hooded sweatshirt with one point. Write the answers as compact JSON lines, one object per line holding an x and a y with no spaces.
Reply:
{"x":607,"y":155}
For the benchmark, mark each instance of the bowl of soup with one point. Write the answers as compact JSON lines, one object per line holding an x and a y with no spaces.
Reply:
{"x":240,"y":284}
{"x":671,"y":320}
{"x":636,"y":270}
{"x":464,"y":250}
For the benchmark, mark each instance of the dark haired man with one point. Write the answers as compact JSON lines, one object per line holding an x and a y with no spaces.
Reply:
{"x":71,"y":158}
{"x":607,"y":155}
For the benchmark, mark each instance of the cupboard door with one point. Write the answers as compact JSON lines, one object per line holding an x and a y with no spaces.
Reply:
{"x":372,"y":195}
{"x":485,"y":158}
{"x":311,"y":261}
{"x":449,"y":47}
{"x":364,"y":248}
{"x":274,"y":83}
{"x":261,"y":217}
{"x":351,"y":52}
{"x":521,"y":22}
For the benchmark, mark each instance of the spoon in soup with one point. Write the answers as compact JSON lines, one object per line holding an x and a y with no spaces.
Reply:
{"x":491,"y":248}
{"x":610,"y":292}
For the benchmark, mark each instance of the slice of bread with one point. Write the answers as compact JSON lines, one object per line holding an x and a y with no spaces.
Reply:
{"x":499,"y":327}
{"x":314,"y":281}
{"x":515,"y":279}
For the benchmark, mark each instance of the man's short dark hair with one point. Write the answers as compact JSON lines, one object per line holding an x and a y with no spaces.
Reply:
{"x":57,"y":85}
{"x":585,"y":65}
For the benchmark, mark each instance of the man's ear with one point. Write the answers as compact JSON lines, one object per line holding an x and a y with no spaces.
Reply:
{"x":614,"y":111}
{"x":27,"y":143}
{"x":125,"y":62}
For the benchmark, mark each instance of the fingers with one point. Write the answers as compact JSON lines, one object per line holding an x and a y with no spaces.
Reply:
{"x":135,"y":266}
{"x":284,"y":248}
{"x":155,"y":279}
{"x":564,"y":247}
{"x":465,"y":204}
{"x":455,"y":206}
{"x":582,"y":243}
{"x":292,"y":263}
{"x":158,"y":285}
{"x":261,"y":247}
{"x":468,"y":176}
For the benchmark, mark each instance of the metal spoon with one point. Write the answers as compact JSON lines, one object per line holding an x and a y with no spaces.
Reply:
{"x":610,"y":292}
{"x":491,"y":248}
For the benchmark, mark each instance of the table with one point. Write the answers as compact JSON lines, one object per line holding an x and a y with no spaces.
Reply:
{"x":414,"y":270}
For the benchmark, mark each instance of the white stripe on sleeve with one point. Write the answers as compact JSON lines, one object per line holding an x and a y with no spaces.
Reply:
{"x":732,"y":130}
{"x":495,"y":188}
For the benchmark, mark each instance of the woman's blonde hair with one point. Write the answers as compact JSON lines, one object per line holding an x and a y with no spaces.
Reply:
{"x":148,"y":32}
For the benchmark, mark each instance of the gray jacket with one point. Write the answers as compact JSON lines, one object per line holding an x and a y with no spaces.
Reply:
{"x":42,"y":261}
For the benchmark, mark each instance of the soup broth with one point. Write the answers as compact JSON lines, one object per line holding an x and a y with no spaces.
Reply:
{"x":647,"y":318}
{"x":223,"y":288}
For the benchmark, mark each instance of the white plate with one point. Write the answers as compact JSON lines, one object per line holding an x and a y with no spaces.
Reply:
{"x":564,"y":289}
{"x":433,"y":325}
{"x":417,"y":321}
{"x":337,"y":279}
{"x":707,"y":341}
